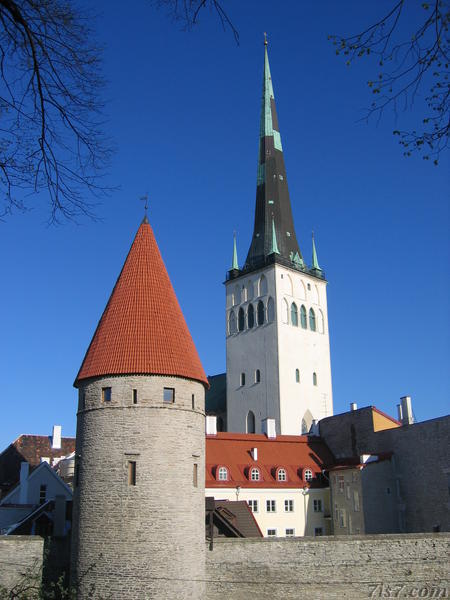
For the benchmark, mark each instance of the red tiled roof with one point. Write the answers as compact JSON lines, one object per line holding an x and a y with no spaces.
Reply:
{"x":292,"y":452}
{"x":142,"y":330}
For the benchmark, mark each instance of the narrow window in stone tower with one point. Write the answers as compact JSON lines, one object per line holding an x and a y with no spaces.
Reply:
{"x":242,"y":378}
{"x":250,"y":316}
{"x":257,"y":376}
{"x":106,"y":394}
{"x":169,"y":395}
{"x":131,"y":472}
{"x":193,"y":401}
{"x":303,"y":316}
{"x":134,"y":396}
{"x":241,"y":319}
{"x":195,"y":475}
{"x":297,"y":376}
{"x":314,"y":378}
{"x":260,"y":313}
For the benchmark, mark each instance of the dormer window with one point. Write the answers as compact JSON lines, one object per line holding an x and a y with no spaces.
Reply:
{"x":255,"y":475}
{"x":222,"y":474}
{"x":307,"y":475}
{"x":281,"y":474}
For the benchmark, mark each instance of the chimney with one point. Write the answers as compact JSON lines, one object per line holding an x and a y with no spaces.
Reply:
{"x":400,"y":413}
{"x":56,"y":437}
{"x":254,"y":453}
{"x":407,"y":414}
{"x":24,"y":470}
{"x":268,"y":428}
{"x":353,"y":406}
{"x":211,"y":425}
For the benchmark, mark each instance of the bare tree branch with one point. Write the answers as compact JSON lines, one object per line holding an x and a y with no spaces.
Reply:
{"x":406,"y":67}
{"x":51,"y":135}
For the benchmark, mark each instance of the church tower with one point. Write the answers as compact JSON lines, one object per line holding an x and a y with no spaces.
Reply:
{"x":278,"y":350}
{"x":138,"y":523}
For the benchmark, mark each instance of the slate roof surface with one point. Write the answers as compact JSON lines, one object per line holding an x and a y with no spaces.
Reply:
{"x":142,"y":329}
{"x":242,"y":517}
{"x":293,"y":453}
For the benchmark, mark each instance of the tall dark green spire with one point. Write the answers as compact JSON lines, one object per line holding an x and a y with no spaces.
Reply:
{"x":273,"y":214}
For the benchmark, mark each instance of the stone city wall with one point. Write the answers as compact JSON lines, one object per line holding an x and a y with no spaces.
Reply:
{"x":328,"y":568}
{"x":20,"y":558}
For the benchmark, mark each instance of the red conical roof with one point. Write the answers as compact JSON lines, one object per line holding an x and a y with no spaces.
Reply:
{"x":142,"y":330}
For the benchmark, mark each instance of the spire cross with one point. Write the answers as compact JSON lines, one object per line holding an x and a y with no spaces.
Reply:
{"x":145,"y":198}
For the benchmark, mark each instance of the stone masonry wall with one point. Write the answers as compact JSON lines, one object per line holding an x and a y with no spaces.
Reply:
{"x":329,"y":568}
{"x":20,"y":555}
{"x":146,"y":540}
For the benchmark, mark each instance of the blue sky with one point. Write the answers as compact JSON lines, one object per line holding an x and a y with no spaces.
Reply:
{"x":183,"y":109}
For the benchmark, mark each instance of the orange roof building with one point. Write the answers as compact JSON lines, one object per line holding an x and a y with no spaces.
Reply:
{"x":142,"y":330}
{"x":283,"y":479}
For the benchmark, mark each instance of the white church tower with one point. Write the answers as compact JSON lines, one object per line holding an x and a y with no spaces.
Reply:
{"x":278,"y":349}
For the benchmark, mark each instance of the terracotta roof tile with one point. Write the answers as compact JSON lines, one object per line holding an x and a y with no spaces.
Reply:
{"x":142,"y":330}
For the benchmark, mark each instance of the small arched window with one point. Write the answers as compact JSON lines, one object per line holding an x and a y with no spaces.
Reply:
{"x":250,"y":422}
{"x":314,"y":378}
{"x":260,"y":312}
{"x":303,"y":316}
{"x":262,"y":286}
{"x":312,"y":320}
{"x":255,"y":475}
{"x":270,"y":310}
{"x":297,"y":376}
{"x":307,"y":475}
{"x":281,"y":474}
{"x":250,"y":316}
{"x":257,"y":376}
{"x":294,"y":315}
{"x":222,"y":474}
{"x":241,"y":319}
{"x":242,"y":378}
{"x":231,"y":322}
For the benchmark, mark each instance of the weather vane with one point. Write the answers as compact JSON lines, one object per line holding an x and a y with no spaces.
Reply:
{"x":145,"y":199}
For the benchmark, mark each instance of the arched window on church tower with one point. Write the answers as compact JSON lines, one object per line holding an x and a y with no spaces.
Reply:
{"x":231,"y":322}
{"x":241,"y":319}
{"x":262,"y":286}
{"x":312,"y":320}
{"x":250,"y":422}
{"x":294,"y":315}
{"x":303,"y":316}
{"x":270,"y":310}
{"x":260,"y":313}
{"x":250,"y":316}
{"x":237,"y":295}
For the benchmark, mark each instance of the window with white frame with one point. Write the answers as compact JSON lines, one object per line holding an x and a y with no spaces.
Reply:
{"x":271,"y":506}
{"x":317,"y":505}
{"x":255,"y":474}
{"x":341,"y":481}
{"x":288,"y":506}
{"x":290,"y":532}
{"x":271,"y":533}
{"x":307,"y":475}
{"x":355,"y":500}
{"x":253,"y":504}
{"x":223,"y":474}
{"x":281,"y":475}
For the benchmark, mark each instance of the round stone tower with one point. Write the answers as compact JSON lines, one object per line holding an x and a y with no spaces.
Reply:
{"x":138,"y":522}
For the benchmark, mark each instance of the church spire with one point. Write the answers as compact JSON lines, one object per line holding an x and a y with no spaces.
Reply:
{"x":273,"y":214}
{"x":234,"y":262}
{"x":315,"y":262}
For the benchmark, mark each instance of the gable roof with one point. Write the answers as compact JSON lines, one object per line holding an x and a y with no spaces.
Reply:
{"x":35,"y":473}
{"x":293,"y":453}
{"x":142,"y":329}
